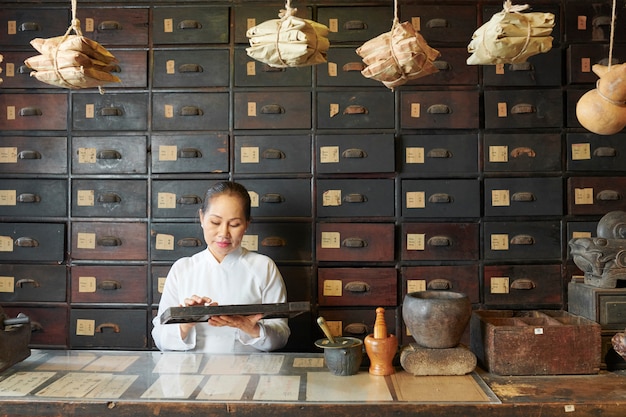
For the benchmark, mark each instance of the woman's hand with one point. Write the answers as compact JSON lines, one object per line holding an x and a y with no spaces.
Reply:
{"x":247,"y":324}
{"x":194,"y":300}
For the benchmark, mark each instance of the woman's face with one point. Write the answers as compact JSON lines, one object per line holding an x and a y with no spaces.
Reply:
{"x":224,"y":224}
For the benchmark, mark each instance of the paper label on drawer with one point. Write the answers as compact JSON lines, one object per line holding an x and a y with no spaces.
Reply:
{"x":7,"y":284}
{"x":251,"y":68}
{"x":168,"y":111}
{"x":335,"y":327}
{"x":161,"y":284}
{"x":85,"y":198}
{"x":6,"y":244}
{"x":331,"y":198}
{"x":500,"y":198}
{"x":499,"y":285}
{"x":332,"y":288}
{"x":581,"y":151}
{"x":415,"y":241}
{"x":168,"y":25}
{"x":86,"y":240}
{"x":329,"y":154}
{"x":250,"y":155}
{"x":333,"y":110}
{"x":502,"y":109}
{"x":87,"y":155}
{"x":333,"y":25}
{"x":166,"y":200}
{"x":416,"y":109}
{"x":164,"y":242}
{"x":89,"y":24}
{"x":8,"y":197}
{"x":90,"y":111}
{"x":498,"y":153}
{"x":9,"y":69}
{"x":252,"y":109}
{"x":254,"y":199}
{"x":170,"y":66}
{"x":415,"y":285}
{"x":585,"y":65}
{"x":8,"y":155}
{"x":415,"y":155}
{"x":499,"y":69}
{"x":250,"y":22}
{"x":10,"y":112}
{"x":11,"y":27}
{"x":86,"y":284}
{"x":581,"y":23}
{"x":578,"y":235}
{"x":416,"y":22}
{"x":331,"y":240}
{"x":168,"y":153}
{"x":85,"y":327}
{"x":415,"y":199}
{"x":499,"y":242}
{"x":250,"y":242}
{"x":332,"y":69}
{"x":583,"y":196}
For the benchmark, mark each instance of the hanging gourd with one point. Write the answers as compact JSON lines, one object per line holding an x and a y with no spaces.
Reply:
{"x":397,"y":56}
{"x":72,"y":61}
{"x":289,"y":41}
{"x":511,"y":37}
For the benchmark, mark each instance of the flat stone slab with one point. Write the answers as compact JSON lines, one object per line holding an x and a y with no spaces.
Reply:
{"x":419,"y":360}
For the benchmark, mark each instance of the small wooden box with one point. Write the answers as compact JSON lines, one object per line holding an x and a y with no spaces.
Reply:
{"x":605,"y":306}
{"x":539,"y":342}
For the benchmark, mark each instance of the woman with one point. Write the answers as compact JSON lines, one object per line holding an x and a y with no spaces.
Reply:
{"x":223,"y":274}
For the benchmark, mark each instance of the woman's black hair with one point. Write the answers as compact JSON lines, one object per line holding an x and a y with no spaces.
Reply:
{"x":228,"y":188}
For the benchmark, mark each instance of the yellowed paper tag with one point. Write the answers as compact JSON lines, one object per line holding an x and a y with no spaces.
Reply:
{"x":333,"y":25}
{"x":329,"y":154}
{"x":499,"y":285}
{"x":7,"y":284}
{"x":500,"y":198}
{"x":250,"y":242}
{"x":583,"y":196}
{"x":8,"y":155}
{"x":87,"y":284}
{"x":332,"y":288}
{"x":415,"y":285}
{"x":168,"y":153}
{"x":333,"y":110}
{"x":251,"y":109}
{"x":6,"y":244}
{"x":11,"y":27}
{"x":87,"y":155}
{"x":581,"y":151}
{"x":170,"y":66}
{"x":415,"y":241}
{"x":499,"y":242}
{"x":332,"y":69}
{"x":416,"y":199}
{"x":416,"y":22}
{"x":498,"y":153}
{"x":502,"y":110}
{"x":90,"y":111}
{"x":164,"y":242}
{"x":331,"y":240}
{"x":254,"y":199}
{"x":168,"y":25}
{"x":9,"y":70}
{"x":250,"y":155}
{"x":335,"y":327}
{"x":251,"y":68}
{"x":250,"y":22}
{"x":585,"y":65}
{"x":166,"y":200}
{"x":578,"y":235}
{"x":85,"y":327}
{"x":414,"y":155}
{"x":8,"y":197}
{"x":89,"y":24}
{"x":416,"y":110}
{"x":168,"y":111}
{"x":86,"y":241}
{"x":499,"y":69}
{"x":85,"y":198}
{"x":161,"y":284}
{"x":331,"y":198}
{"x":11,"y":113}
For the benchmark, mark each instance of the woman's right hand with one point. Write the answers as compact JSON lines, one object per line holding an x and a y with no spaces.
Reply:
{"x":194,"y":300}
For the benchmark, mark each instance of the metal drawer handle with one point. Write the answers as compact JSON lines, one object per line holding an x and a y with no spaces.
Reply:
{"x":272,"y":198}
{"x":608,"y":195}
{"x":354,"y":242}
{"x":190,"y":68}
{"x":30,"y":111}
{"x":27,"y":281}
{"x":189,"y":24}
{"x":522,"y":240}
{"x":439,"y":241}
{"x":356,"y":328}
{"x":109,"y":154}
{"x":189,"y":200}
{"x":189,"y":242}
{"x":439,"y":284}
{"x":273,"y":242}
{"x":103,"y":326}
{"x":189,"y":153}
{"x":354,"y":153}
{"x":440,"y":198}
{"x":111,"y":112}
{"x":23,"y":69}
{"x":29,"y":27}
{"x":357,"y":286}
{"x":355,"y":198}
{"x":28,"y":198}
{"x":353,"y":66}
{"x":355,"y":25}
{"x":521,"y":66}
{"x":29,"y":155}
{"x":26,"y":242}
{"x":439,"y":153}
{"x":109,"y":25}
{"x":605,"y":151}
{"x":355,"y":109}
{"x":114,"y":68}
{"x":523,"y":197}
{"x":605,"y":61}
{"x":272,"y":109}
{"x":601,"y":21}
{"x":109,"y":198}
{"x":35,"y":326}
{"x":442,"y":65}
{"x":109,"y":241}
{"x":267,"y":68}
{"x":523,"y":109}
{"x":523,"y":151}
{"x":190,"y":111}
{"x":273,"y":154}
{"x":437,"y":23}
{"x":110,"y":285}
{"x":439,"y":109}
{"x":523,"y":284}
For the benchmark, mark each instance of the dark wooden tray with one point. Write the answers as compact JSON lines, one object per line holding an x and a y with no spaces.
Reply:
{"x":202,"y":313}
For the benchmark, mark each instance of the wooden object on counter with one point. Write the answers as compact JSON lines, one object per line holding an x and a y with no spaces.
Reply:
{"x":381,"y":347}
{"x":422,"y":361}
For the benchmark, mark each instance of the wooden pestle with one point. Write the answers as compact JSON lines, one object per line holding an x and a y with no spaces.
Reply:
{"x":381,"y":347}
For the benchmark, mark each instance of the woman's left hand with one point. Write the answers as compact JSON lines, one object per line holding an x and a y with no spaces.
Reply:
{"x":247,"y":324}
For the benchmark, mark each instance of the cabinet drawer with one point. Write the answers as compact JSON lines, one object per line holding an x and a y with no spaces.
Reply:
{"x":355,"y":198}
{"x":581,"y":58}
{"x":442,"y":24}
{"x":110,"y":111}
{"x":40,"y":242}
{"x":34,"y":111}
{"x":249,"y":15}
{"x":279,"y":197}
{"x":440,"y":241}
{"x":108,"y":328}
{"x":189,"y":153}
{"x":20,"y":283}
{"x":109,"y":241}
{"x":355,"y":110}
{"x":115,"y":26}
{"x":191,"y":68}
{"x":272,"y":110}
{"x":595,"y":195}
{"x":572,"y":96}
{"x":365,"y":242}
{"x":439,"y":109}
{"x":109,"y":284}
{"x":49,"y":324}
{"x":523,"y":109}
{"x":283,"y":242}
{"x":186,"y":25}
{"x":33,"y":155}
{"x":441,"y":198}
{"x":591,"y":152}
{"x":591,"y":21}
{"x":514,"y":240}
{"x":131,"y":69}
{"x":358,"y":322}
{"x":539,"y":70}
{"x":273,"y":154}
{"x":338,"y":154}
{"x":33,"y":198}
{"x":15,"y":73}
{"x":453,"y":69}
{"x":158,"y":276}
{"x":353,"y":24}
{"x":252,"y":73}
{"x":195,"y":111}
{"x":20,"y":26}
{"x":522,"y":286}
{"x":178,"y":198}
{"x":343,"y":68}
{"x":459,"y":278}
{"x":440,"y":155}
{"x":523,"y":196}
{"x":171,"y":241}
{"x":357,"y":287}
{"x":538,"y":152}
{"x":109,"y":155}
{"x":109,"y":198}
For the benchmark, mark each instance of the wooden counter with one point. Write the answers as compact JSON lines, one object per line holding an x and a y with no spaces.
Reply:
{"x":130,"y":383}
